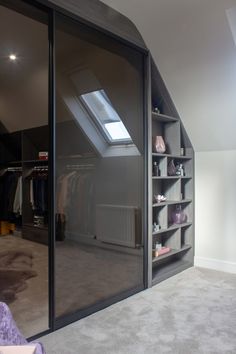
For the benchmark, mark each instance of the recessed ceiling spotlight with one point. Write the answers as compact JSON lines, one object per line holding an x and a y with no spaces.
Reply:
{"x":12,"y":57}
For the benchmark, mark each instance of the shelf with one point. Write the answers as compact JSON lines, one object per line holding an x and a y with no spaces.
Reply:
{"x":163,"y":118}
{"x":172,"y":202}
{"x":35,"y":161}
{"x":161,"y":273}
{"x":179,"y":157}
{"x":172,"y":227}
{"x":43,"y":227}
{"x":78,"y":156}
{"x":178,"y":190}
{"x":13,"y":163}
{"x":25,"y":161}
{"x":171,"y":177}
{"x":171,"y":253}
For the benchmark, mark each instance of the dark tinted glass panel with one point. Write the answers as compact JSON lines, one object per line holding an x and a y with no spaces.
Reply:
{"x":99,"y":168}
{"x":23,"y":176}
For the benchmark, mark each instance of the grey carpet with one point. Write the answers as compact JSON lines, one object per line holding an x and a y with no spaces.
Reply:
{"x":84,"y":275}
{"x":15,"y":269}
{"x":193,"y":312}
{"x":30,"y":308}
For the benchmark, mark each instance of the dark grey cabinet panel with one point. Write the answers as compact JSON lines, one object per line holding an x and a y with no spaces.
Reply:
{"x":103,"y":16}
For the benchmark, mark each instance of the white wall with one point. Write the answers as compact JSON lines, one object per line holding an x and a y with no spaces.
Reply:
{"x":196,"y":54}
{"x":192,"y":43}
{"x":215,"y":192}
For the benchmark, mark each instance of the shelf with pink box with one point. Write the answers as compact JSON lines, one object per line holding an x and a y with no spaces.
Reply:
{"x":171,"y":253}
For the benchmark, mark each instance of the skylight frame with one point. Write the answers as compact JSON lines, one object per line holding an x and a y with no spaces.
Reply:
{"x":101,"y":126}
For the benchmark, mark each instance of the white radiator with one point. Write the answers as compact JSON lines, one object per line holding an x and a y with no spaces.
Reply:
{"x":118,"y":224}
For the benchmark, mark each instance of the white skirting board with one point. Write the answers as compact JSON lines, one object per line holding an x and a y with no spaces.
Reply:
{"x":216,"y":264}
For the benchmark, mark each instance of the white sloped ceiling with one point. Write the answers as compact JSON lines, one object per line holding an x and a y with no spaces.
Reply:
{"x":194,"y":45}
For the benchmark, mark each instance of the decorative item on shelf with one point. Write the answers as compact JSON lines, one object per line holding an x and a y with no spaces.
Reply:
{"x":156,"y":110}
{"x":155,"y":227}
{"x":163,"y":250}
{"x":171,"y":169}
{"x":157,"y":246}
{"x":158,"y":198}
{"x":156,"y":170}
{"x":158,"y":144}
{"x":159,"y":250}
{"x":182,"y":151}
{"x":178,"y":216}
{"x":179,"y":169}
{"x":43,"y":155}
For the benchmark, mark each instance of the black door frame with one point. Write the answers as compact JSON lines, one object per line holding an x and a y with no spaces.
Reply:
{"x":52,"y":10}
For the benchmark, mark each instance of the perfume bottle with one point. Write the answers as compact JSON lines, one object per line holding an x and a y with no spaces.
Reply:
{"x":156,"y":170}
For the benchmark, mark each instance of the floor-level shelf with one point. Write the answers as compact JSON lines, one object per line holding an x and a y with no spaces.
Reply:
{"x":164,"y":271}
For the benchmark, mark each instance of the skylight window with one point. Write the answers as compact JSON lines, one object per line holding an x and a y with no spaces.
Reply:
{"x":106,"y":117}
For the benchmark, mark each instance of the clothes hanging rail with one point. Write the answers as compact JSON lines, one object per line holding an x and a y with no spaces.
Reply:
{"x":10,"y":169}
{"x":36,"y":169}
{"x":80,"y":167}
{"x":40,"y":168}
{"x":13,"y":169}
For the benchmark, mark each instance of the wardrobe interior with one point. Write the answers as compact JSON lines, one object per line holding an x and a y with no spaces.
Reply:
{"x":99,"y":168}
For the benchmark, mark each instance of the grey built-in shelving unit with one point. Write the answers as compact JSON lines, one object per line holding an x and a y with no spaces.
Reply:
{"x":178,"y":190}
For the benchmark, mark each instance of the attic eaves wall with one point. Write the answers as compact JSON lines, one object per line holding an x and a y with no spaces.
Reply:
{"x":101,"y":15}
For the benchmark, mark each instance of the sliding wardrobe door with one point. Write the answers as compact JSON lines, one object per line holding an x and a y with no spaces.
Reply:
{"x":24,"y":141}
{"x":99,"y":169}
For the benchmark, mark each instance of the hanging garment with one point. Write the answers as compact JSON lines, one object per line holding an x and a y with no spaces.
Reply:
{"x":75,"y":203}
{"x":38,"y":192}
{"x":11,"y":188}
{"x":9,"y":182}
{"x":60,"y":227}
{"x":17,"y":205}
{"x":62,"y":192}
{"x":32,"y":194}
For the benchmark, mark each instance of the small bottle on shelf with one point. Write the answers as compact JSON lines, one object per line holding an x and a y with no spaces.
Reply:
{"x":181,"y":167}
{"x":156,"y":170}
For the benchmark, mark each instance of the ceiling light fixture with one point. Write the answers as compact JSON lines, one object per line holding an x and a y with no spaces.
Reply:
{"x":12,"y":57}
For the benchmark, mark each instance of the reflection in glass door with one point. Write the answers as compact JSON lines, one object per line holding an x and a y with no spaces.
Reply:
{"x":99,"y":168}
{"x":24,"y":166}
